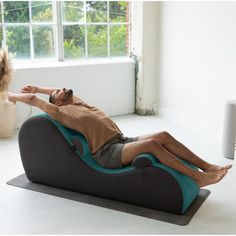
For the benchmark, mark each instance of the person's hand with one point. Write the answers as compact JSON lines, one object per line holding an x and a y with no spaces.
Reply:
{"x":29,"y":89}
{"x":28,"y":98}
{"x":11,"y":97}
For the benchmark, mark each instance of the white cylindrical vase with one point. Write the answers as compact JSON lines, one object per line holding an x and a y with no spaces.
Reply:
{"x":7,"y":118}
{"x":229,"y":132}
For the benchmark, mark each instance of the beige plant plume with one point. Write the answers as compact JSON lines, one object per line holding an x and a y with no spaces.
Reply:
{"x":6,"y":70}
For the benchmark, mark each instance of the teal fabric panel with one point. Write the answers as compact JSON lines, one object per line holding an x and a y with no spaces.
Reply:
{"x":70,"y":134}
{"x":188,"y":186}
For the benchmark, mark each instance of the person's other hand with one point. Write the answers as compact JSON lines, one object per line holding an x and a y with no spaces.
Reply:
{"x":29,"y":89}
{"x":25,"y":98}
{"x":11,"y":97}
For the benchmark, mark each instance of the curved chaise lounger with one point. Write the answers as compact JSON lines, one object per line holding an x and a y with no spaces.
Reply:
{"x":57,"y":156}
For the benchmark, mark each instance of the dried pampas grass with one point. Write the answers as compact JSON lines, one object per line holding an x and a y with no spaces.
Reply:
{"x":6,"y":70}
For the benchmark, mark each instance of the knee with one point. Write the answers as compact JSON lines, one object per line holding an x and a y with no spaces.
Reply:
{"x":163,"y":137}
{"x":153,"y":146}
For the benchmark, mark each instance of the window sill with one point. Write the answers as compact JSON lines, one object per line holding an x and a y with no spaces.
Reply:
{"x":52,"y":64}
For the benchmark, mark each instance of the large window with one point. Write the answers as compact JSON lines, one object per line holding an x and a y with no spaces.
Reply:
{"x":65,"y":29}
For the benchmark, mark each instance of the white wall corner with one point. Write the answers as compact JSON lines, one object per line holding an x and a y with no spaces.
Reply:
{"x":144,"y":44}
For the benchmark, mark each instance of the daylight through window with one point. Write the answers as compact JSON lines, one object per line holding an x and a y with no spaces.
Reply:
{"x":65,"y":29}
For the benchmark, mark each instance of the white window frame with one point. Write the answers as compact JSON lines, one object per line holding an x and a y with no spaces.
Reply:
{"x":58,"y":24}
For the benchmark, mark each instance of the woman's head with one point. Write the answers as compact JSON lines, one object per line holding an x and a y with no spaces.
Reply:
{"x":61,"y":97}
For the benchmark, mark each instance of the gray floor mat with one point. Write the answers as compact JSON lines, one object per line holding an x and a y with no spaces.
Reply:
{"x":22,"y":182}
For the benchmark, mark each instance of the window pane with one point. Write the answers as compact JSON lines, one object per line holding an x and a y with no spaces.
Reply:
{"x":43,"y":41}
{"x":16,"y":11}
{"x":119,"y":40}
{"x":97,"y":41}
{"x":118,"y":11}
{"x":73,"y":11}
{"x":18,"y":41}
{"x":74,"y":44}
{"x":41,"y":11}
{"x":0,"y":12}
{"x":96,"y":11}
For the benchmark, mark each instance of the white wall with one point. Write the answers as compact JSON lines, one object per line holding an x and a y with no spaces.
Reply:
{"x":144,"y":45}
{"x":197,"y":63}
{"x":107,"y":84}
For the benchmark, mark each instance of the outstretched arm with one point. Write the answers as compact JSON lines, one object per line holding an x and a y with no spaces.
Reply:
{"x":36,"y":89}
{"x":33,"y":100}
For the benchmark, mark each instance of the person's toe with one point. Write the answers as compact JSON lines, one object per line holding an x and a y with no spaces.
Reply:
{"x":228,"y":167}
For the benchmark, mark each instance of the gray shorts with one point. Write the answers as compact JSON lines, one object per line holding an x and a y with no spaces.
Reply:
{"x":109,"y":155}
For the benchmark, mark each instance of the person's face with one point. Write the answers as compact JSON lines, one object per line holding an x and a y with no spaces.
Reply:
{"x":62,"y":96}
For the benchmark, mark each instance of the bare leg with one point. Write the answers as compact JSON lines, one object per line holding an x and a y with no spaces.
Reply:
{"x":131,"y":150}
{"x":179,"y":150}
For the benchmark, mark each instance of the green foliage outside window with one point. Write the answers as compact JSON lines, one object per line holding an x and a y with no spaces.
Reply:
{"x":41,"y":11}
{"x":118,"y":40}
{"x":18,"y":41}
{"x":73,"y":11}
{"x":96,"y":11}
{"x":18,"y":37}
{"x":16,"y":11}
{"x":117,"y":11}
{"x":97,"y":41}
{"x":74,"y":41}
{"x":43,"y":48}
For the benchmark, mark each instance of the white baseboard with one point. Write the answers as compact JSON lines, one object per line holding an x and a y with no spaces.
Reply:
{"x":190,"y":122}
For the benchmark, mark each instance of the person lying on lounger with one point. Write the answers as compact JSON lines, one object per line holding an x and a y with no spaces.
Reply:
{"x":109,"y":147}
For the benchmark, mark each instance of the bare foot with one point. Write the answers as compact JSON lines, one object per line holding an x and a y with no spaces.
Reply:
{"x":207,"y":178}
{"x":214,"y":168}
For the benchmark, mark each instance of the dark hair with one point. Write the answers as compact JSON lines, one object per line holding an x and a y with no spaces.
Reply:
{"x":50,"y":99}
